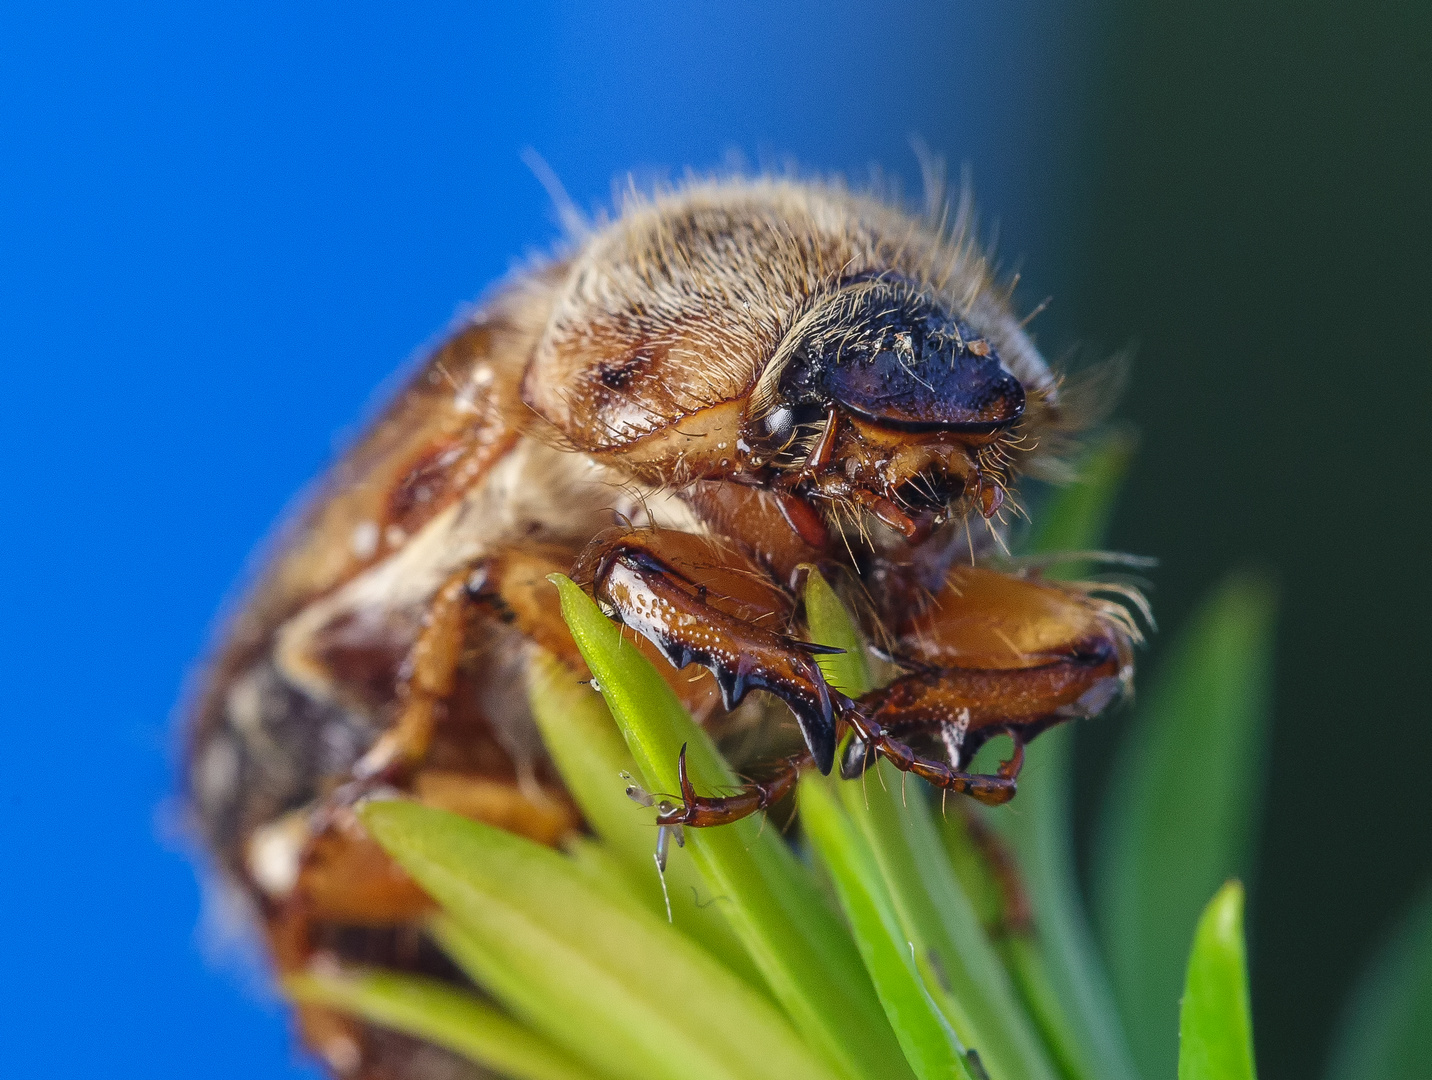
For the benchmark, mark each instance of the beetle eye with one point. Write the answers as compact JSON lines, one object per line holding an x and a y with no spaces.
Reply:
{"x":779,"y":426}
{"x":891,"y":355}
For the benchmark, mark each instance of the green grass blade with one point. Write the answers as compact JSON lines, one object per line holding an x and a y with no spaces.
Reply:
{"x":930,"y":1044}
{"x":1215,"y":1028}
{"x":829,"y":623}
{"x":1058,"y":970}
{"x":897,"y":823}
{"x":440,"y":1014}
{"x":613,"y":984}
{"x":772,"y":902}
{"x":1387,"y":1031}
{"x":590,"y":754}
{"x":898,"y":832}
{"x":1182,"y":806}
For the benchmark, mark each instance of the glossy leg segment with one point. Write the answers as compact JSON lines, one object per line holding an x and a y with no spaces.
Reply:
{"x":508,"y":586}
{"x":872,"y":738}
{"x":703,"y":810}
{"x":699,"y":603}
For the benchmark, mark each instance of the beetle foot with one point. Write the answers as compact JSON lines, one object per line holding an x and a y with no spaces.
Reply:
{"x":871,"y":740}
{"x":701,"y":811}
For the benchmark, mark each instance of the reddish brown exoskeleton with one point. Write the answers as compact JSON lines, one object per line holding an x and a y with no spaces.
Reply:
{"x":728,"y":386}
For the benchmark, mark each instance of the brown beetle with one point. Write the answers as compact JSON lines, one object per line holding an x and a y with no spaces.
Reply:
{"x":727,"y":385}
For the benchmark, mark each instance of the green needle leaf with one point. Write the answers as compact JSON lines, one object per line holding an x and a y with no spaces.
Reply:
{"x":829,"y":623}
{"x":929,"y":1042}
{"x":902,"y":846}
{"x":1182,"y":806}
{"x":1057,"y":967}
{"x":436,"y":1012}
{"x":589,"y":752}
{"x":609,"y":981}
{"x":1387,"y":1033}
{"x":1215,"y":1029}
{"x":772,"y":902}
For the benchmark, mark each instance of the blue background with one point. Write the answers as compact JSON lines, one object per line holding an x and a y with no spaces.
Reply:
{"x":226,"y":224}
{"x":222,"y":226}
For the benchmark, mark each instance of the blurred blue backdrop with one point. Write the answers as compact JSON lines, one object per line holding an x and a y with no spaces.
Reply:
{"x":224,"y":225}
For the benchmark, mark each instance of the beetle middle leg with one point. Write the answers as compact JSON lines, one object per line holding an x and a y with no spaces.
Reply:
{"x":429,"y":676}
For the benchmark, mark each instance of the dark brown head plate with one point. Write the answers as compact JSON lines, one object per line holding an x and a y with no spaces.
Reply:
{"x":889,"y":354}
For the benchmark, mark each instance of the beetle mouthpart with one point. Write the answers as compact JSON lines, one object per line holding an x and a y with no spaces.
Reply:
{"x":991,"y":498}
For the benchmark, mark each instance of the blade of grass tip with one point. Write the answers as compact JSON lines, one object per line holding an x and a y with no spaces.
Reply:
{"x":588,"y":750}
{"x":1181,"y":810}
{"x":829,"y":623}
{"x":930,"y":1043}
{"x":1386,"y":1033}
{"x":898,"y":831}
{"x":1215,"y":1028}
{"x":439,"y":1014}
{"x":1059,"y":971}
{"x":773,"y":903}
{"x":610,"y":982}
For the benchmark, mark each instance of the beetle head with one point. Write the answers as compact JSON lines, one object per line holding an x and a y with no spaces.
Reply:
{"x":881,"y":398}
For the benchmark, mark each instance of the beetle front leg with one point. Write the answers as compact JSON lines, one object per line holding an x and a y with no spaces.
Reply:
{"x":700,"y":603}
